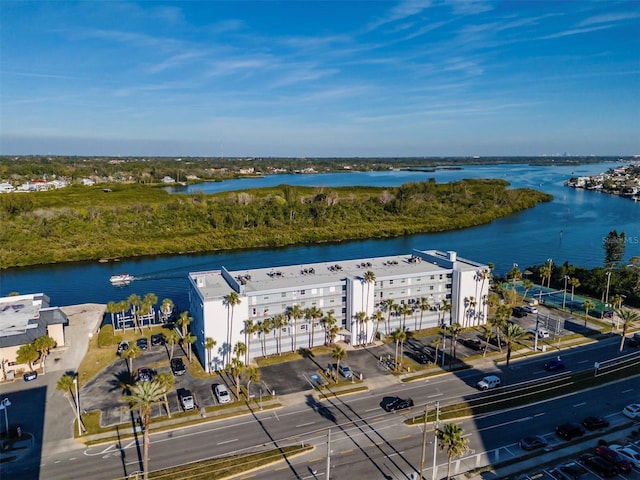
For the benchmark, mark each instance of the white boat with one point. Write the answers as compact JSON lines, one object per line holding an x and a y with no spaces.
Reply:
{"x":120,"y":279}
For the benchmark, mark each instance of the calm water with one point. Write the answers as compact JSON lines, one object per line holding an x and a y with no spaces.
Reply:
{"x":570,"y":228}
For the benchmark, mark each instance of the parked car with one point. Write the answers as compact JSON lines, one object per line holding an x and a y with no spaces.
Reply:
{"x":599,"y":465}
{"x":157,"y":339}
{"x":144,"y":374}
{"x":530,"y":309}
{"x":542,"y":333}
{"x":419,"y":357}
{"x":490,"y":381}
{"x":518,"y":312}
{"x":555,"y":365}
{"x":186,"y":399}
{"x":29,"y":376}
{"x":222,"y":393}
{"x":142,"y":343}
{"x":632,"y":410}
{"x":123,"y":346}
{"x":631,"y":455}
{"x":614,"y":457}
{"x":568,"y":431}
{"x":398,"y":404}
{"x":570,"y":471}
{"x":634,"y":341}
{"x":346,"y":372}
{"x":533,"y":442}
{"x":177,"y":366}
{"x":594,"y":423}
{"x":472,"y":343}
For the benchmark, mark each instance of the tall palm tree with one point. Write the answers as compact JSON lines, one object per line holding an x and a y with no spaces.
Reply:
{"x":423,"y":304}
{"x":265,"y":328}
{"x":209,"y":344}
{"x":112,"y":308}
{"x":502,"y":315}
{"x":488,"y":334}
{"x":123,"y":306}
{"x":144,"y":395}
{"x":369,"y":277}
{"x":587,"y":305}
{"x":445,"y":307}
{"x":452,"y":441}
{"x":135,"y":303}
{"x":167,"y":381}
{"x":514,"y":274}
{"x":312,"y":314}
{"x":184,"y":320}
{"x":279,"y":322}
{"x":527,"y":285}
{"x":437,"y":343}
{"x":361,"y":320}
{"x":239,"y":350}
{"x":249,"y":329}
{"x":132,"y":352}
{"x":188,"y":340}
{"x":398,"y":336}
{"x":575,"y":283}
{"x":236,"y":368}
{"x":149,"y":300}
{"x":628,"y":317}
{"x":171,"y":338}
{"x":43,"y":345}
{"x":66,"y":385}
{"x":231,"y":300}
{"x":512,"y":333}
{"x":405,"y":309}
{"x":251,"y":374}
{"x":378,"y":318}
{"x":454,"y":329}
{"x":328,"y":322}
{"x":166,"y":309}
{"x":338,"y":354}
{"x":389,"y":306}
{"x":295,"y":313}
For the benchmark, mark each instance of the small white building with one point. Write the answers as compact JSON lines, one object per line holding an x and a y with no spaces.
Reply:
{"x":6,"y":187}
{"x":410,"y":291}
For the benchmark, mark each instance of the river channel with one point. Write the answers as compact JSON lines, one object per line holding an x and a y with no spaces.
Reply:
{"x":570,"y":228}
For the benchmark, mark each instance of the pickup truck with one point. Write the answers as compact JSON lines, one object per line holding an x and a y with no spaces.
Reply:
{"x":186,"y":399}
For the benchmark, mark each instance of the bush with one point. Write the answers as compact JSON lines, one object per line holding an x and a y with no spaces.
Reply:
{"x":105,"y":337}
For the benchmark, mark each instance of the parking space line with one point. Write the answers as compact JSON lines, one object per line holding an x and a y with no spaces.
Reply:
{"x":579,"y":404}
{"x":305,"y":424}
{"x":227,"y":441}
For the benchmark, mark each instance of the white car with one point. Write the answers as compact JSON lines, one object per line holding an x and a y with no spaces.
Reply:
{"x":530,"y":309}
{"x":629,"y":454}
{"x":542,"y":333}
{"x":222,"y":394}
{"x":632,"y":411}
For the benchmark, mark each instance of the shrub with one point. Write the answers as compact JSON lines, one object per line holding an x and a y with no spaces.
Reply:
{"x":105,"y":337}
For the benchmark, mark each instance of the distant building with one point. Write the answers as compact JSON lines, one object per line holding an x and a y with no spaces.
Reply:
{"x":23,"y":318}
{"x":6,"y":188}
{"x":268,"y":294}
{"x":167,"y":179}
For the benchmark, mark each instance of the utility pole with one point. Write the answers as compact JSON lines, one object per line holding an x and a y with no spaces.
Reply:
{"x":75,"y":383}
{"x":435,"y":441}
{"x":424,"y":442}
{"x":328,"y":454}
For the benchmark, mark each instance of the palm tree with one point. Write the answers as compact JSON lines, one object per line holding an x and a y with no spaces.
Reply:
{"x":390,"y":306}
{"x":454,"y":329}
{"x":405,"y":309}
{"x":587,"y":305}
{"x":369,"y":277}
{"x":251,"y":374}
{"x":144,"y":395}
{"x":235,"y":368}
{"x":295,"y":313}
{"x":149,"y":300}
{"x":265,"y":327}
{"x":123,"y":306}
{"x":328,"y":322}
{"x":628,"y":317}
{"x":452,"y":442}
{"x":132,"y":352}
{"x":502,"y":315}
{"x":445,"y":307}
{"x":398,"y":336}
{"x":511,"y":333}
{"x":171,"y":338}
{"x":112,"y":308}
{"x":575,"y":283}
{"x":423,"y":304}
{"x":166,"y":309}
{"x":43,"y":345}
{"x":184,"y":321}
{"x":338,"y":354}
{"x":66,"y":385}
{"x":361,"y":320}
{"x":135,"y":302}
{"x":27,"y":354}
{"x":189,"y":339}
{"x":437,"y":343}
{"x":527,"y":285}
{"x":514,"y":274}
{"x":487,"y":333}
{"x":249,"y":329}
{"x":209,"y":344}
{"x":231,"y":300}
{"x":378,"y":318}
{"x":312,"y":314}
{"x":167,"y":381}
{"x":279,"y":322}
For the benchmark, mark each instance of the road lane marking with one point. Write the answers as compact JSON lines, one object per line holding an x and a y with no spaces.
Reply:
{"x":539,"y":414}
{"x":305,"y":424}
{"x":227,"y":441}
{"x":435,"y":395}
{"x":627,"y":391}
{"x":579,"y":404}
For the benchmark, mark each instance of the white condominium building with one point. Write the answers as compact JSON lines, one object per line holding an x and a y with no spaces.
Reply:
{"x":285,"y":308}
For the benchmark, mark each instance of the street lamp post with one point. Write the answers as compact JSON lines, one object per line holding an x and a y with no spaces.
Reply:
{"x":4,"y":405}
{"x":606,"y":297}
{"x":75,"y":383}
{"x":564,"y":297}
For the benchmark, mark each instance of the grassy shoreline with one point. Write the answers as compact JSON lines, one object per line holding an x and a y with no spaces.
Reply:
{"x":123,"y":221}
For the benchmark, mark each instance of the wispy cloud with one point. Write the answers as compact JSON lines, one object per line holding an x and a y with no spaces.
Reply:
{"x":405,"y":9}
{"x":609,"y":18}
{"x":574,"y":31}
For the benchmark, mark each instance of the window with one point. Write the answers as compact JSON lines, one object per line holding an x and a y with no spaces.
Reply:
{"x":266,"y":298}
{"x":283,"y":294}
{"x":254,"y":311}
{"x":440,"y":276}
{"x":430,"y":287}
{"x":390,"y":282}
{"x":433,"y":277}
{"x":303,"y":326}
{"x":302,"y":292}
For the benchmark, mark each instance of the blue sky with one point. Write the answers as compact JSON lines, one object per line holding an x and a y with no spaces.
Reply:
{"x":328,"y":78}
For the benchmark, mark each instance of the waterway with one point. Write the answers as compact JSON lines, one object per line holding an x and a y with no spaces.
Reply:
{"x":570,"y":228}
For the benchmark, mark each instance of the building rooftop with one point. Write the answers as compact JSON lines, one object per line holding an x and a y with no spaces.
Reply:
{"x":24,"y":318}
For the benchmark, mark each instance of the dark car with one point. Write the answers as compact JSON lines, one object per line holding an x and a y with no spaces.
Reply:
{"x":177,"y":366}
{"x":555,"y":365}
{"x":594,"y":423}
{"x":419,"y":357}
{"x":157,"y":339}
{"x":472,"y":343}
{"x":569,"y":431}
{"x":123,"y":346}
{"x":398,"y":404}
{"x":27,"y":377}
{"x":571,"y":471}
{"x":519,"y":312}
{"x":144,"y":374}
{"x":533,"y":442}
{"x":615,"y":458}
{"x":142,"y":343}
{"x":599,"y":465}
